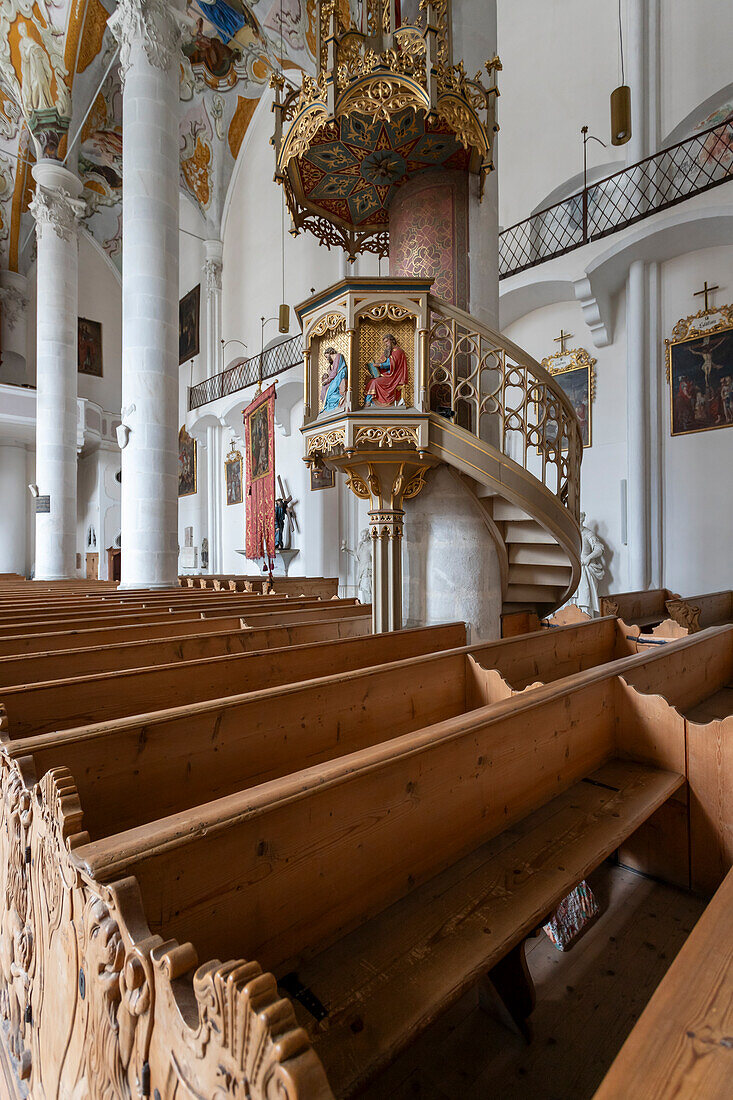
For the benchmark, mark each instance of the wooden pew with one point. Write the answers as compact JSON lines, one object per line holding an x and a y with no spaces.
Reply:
{"x":681,"y":1044}
{"x":18,"y":620}
{"x":378,"y":871}
{"x":698,"y":612}
{"x":640,"y":608}
{"x":169,"y":627}
{"x":61,"y":704}
{"x":135,"y":617}
{"x":490,"y":673}
{"x":86,"y":660}
{"x":697,"y":681}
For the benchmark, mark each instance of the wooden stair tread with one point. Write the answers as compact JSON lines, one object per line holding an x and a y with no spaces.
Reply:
{"x":389,"y":979}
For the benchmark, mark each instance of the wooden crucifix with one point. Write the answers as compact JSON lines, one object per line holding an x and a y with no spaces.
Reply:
{"x":706,"y":290}
{"x":561,"y":339}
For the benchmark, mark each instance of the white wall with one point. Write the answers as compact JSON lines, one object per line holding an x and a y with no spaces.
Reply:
{"x":697,"y":513}
{"x":100,"y":299}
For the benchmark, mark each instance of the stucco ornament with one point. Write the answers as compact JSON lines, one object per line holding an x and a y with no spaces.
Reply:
{"x":151,"y":24}
{"x":56,"y":210}
{"x":36,"y":74}
{"x":592,"y":569}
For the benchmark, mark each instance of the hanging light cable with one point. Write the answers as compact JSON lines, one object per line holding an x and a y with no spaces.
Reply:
{"x":621,"y":99}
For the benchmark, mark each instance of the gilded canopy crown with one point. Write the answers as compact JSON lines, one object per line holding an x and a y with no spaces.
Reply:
{"x":387,"y":103}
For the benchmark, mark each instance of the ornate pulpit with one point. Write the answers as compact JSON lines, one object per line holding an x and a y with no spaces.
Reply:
{"x":366,"y":408}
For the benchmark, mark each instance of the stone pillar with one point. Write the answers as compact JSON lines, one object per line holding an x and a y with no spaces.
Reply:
{"x":637,"y":430}
{"x":386,"y":482}
{"x":644,"y":383}
{"x":13,"y":328}
{"x":56,"y":209}
{"x":148,"y":34}
{"x":214,"y":251}
{"x":14,"y":496}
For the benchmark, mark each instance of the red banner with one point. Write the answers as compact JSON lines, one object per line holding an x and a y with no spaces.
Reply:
{"x":259,"y":439}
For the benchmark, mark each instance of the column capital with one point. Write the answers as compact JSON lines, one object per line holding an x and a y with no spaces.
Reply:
{"x":153,"y":24}
{"x":56,"y":204}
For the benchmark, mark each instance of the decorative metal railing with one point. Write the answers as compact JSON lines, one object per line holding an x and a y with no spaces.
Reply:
{"x":273,"y":361}
{"x":491,"y":388}
{"x":655,"y":183}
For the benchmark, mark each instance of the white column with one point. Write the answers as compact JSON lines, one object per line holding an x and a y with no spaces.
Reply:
{"x":148,"y":34}
{"x":56,"y":208}
{"x":13,"y":327}
{"x":637,"y":426}
{"x":14,"y":496}
{"x":211,"y":495}
{"x":217,"y":481}
{"x":214,"y":251}
{"x":643,"y":371}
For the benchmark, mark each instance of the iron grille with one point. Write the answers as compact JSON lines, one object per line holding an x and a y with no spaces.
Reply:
{"x":655,"y":183}
{"x":271,"y":362}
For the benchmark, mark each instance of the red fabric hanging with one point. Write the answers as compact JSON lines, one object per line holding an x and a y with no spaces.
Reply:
{"x":259,"y":438}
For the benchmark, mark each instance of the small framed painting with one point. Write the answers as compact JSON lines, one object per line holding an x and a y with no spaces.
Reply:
{"x":700,"y":372}
{"x":186,"y":464}
{"x":322,"y":478}
{"x":233,"y":471}
{"x":576,"y":376}
{"x":188,"y":325}
{"x":89,"y":351}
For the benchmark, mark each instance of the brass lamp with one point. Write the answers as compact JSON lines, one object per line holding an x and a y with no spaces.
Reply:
{"x":621,"y":115}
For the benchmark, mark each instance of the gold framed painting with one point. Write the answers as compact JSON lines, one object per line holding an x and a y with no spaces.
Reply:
{"x":186,"y":464}
{"x":576,"y":376}
{"x":233,"y":473}
{"x":700,"y":372}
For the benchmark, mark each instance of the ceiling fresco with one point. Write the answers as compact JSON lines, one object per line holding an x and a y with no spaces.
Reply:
{"x":58,"y":56}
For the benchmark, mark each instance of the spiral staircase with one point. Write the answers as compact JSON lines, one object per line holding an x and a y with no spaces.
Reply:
{"x":474,"y":402}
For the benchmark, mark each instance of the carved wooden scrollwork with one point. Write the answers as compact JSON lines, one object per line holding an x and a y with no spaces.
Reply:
{"x":388,"y":436}
{"x":86,"y":991}
{"x":325,"y":442}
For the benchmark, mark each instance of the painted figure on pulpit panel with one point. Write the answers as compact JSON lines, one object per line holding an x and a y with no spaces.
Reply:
{"x":388,"y":377}
{"x":333,"y":384}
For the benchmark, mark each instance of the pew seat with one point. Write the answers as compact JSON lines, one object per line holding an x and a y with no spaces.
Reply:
{"x":383,"y":984}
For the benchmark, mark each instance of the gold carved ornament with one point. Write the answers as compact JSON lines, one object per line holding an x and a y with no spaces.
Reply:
{"x":325,"y":442}
{"x":382,"y":436}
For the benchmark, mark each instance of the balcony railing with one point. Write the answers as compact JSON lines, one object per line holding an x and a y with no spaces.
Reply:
{"x":655,"y":183}
{"x":257,"y":368}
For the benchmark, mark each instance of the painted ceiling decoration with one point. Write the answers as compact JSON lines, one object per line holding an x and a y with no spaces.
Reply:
{"x":54,"y":55}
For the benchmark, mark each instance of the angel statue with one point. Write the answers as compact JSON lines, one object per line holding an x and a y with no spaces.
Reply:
{"x":592,"y":570}
{"x":285,"y":519}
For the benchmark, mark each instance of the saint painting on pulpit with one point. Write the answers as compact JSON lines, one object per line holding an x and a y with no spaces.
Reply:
{"x":333,"y":383}
{"x":389,"y":377}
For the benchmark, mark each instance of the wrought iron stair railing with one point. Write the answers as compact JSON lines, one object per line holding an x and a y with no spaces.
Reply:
{"x":659,"y":181}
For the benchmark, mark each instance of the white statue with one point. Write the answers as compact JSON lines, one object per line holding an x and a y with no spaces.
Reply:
{"x":592,"y":570}
{"x":363,"y":559}
{"x":364,"y":566}
{"x":36,"y":73}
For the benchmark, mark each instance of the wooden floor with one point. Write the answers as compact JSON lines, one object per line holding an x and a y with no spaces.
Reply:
{"x":588,"y":999}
